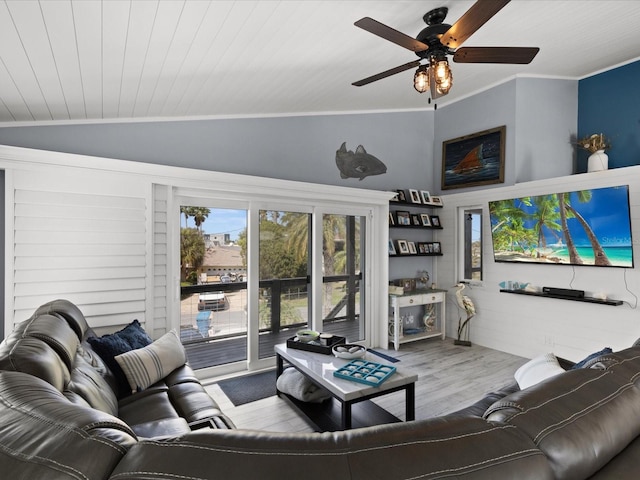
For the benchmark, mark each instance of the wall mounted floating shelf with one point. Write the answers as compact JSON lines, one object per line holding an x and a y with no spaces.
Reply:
{"x":599,"y":301}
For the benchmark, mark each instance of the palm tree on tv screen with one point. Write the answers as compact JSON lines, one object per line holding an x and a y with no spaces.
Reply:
{"x":550,"y":216}
{"x":600,"y":257}
{"x":564,"y":200}
{"x":545,"y":216}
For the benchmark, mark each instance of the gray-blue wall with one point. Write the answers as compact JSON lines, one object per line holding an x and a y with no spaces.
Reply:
{"x":290,"y":148}
{"x":540,"y":116}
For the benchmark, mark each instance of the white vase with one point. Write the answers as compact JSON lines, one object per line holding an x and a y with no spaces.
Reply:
{"x":598,"y":161}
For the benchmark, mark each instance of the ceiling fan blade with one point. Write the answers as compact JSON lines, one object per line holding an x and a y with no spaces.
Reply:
{"x":388,"y":33}
{"x":521,"y":55}
{"x":386,"y":73}
{"x":479,"y":14}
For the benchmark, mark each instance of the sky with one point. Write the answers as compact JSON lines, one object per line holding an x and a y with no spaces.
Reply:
{"x":222,"y":220}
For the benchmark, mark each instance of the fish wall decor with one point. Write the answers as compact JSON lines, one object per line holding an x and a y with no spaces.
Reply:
{"x":359,"y":164}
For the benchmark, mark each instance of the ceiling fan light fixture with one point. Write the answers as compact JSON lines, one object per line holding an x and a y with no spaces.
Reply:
{"x":421,"y":79}
{"x":443,"y":76}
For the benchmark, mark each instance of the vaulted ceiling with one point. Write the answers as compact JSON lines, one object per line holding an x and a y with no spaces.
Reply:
{"x":78,"y":60}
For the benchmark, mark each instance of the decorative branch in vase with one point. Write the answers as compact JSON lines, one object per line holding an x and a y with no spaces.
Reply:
{"x":596,"y":144}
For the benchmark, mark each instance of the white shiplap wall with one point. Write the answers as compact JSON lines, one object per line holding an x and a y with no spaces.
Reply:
{"x":528,"y":325}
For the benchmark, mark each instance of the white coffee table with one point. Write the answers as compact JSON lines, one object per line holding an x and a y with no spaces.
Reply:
{"x":319,"y":368}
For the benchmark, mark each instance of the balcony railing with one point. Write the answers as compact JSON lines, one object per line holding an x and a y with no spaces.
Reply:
{"x":208,"y":348}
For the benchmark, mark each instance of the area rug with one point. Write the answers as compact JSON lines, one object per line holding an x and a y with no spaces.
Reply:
{"x":388,"y":358}
{"x":249,"y":388}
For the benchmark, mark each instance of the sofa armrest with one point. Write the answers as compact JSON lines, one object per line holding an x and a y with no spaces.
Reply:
{"x":44,"y":435}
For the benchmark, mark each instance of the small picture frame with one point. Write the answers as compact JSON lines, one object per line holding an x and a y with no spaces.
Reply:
{"x":403,"y":218}
{"x":414,"y":196}
{"x":403,"y":247}
{"x":425,"y":196}
{"x":436,"y":247}
{"x":416,"y":220}
{"x":392,"y":220}
{"x":412,"y":248}
{"x":426,"y":221}
{"x":430,"y":247}
{"x":435,"y":221}
{"x":401,"y":196}
{"x":423,"y":248}
{"x":435,"y":200}
{"x":392,"y":248}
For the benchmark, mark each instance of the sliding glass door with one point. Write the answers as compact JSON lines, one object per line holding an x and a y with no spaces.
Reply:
{"x":250,"y":278}
{"x":284,"y":298}
{"x":213,"y":279}
{"x":343,"y":255}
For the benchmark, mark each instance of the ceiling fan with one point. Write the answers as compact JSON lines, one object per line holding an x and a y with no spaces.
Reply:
{"x":438,"y":40}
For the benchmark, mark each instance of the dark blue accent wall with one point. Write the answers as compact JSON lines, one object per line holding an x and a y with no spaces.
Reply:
{"x":609,"y":103}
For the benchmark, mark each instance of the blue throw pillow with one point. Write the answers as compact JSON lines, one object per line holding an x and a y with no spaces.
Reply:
{"x":134,"y":335}
{"x":583,"y":362}
{"x":109,"y":346}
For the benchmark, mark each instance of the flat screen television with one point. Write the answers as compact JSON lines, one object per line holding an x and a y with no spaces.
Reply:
{"x":586,"y":227}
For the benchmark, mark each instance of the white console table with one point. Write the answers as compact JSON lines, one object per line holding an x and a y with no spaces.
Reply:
{"x":429,"y":321}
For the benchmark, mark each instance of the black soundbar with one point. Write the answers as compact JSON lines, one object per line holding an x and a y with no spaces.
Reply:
{"x":563,"y":292}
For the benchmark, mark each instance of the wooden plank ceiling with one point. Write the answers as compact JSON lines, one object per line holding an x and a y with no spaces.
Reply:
{"x":87,"y":60}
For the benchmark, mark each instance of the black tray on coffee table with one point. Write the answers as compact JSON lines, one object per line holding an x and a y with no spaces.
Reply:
{"x":315,"y":346}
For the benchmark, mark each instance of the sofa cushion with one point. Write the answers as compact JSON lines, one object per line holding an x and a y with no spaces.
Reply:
{"x":150,"y":407}
{"x":622,"y":467}
{"x":55,"y":332}
{"x":69,"y":312}
{"x":538,"y":369}
{"x":113,"y":344}
{"x":33,"y":356}
{"x":145,"y":366}
{"x":89,"y":384}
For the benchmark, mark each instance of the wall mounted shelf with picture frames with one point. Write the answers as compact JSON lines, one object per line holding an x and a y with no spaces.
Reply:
{"x":407,"y":211}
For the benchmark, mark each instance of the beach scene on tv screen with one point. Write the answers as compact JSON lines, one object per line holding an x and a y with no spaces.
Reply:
{"x":586,"y":227}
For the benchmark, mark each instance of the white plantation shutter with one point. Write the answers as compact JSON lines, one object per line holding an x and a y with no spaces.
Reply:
{"x":161,"y":287}
{"x":88,"y":246}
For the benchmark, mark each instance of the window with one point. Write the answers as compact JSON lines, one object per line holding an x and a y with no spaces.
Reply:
{"x":471,"y":243}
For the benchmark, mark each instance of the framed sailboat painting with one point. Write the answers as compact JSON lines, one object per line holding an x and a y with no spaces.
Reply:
{"x":476,"y":159}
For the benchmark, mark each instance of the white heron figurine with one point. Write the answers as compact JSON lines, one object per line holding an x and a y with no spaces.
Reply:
{"x":466,"y":304}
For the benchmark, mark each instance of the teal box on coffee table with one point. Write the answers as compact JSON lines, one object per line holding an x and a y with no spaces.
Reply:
{"x":364,"y":371}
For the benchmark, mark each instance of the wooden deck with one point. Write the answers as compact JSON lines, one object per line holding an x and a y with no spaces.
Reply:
{"x":213,"y":352}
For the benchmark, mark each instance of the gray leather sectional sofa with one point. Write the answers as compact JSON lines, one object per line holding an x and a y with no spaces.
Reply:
{"x":62,"y":417}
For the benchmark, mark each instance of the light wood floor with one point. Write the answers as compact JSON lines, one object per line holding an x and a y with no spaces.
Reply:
{"x":450,"y":377}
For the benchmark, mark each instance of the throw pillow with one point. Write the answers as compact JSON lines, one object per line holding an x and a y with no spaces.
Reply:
{"x":108,"y":346}
{"x":135,"y":335}
{"x":583,"y":362}
{"x":145,"y":366}
{"x":538,"y":369}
